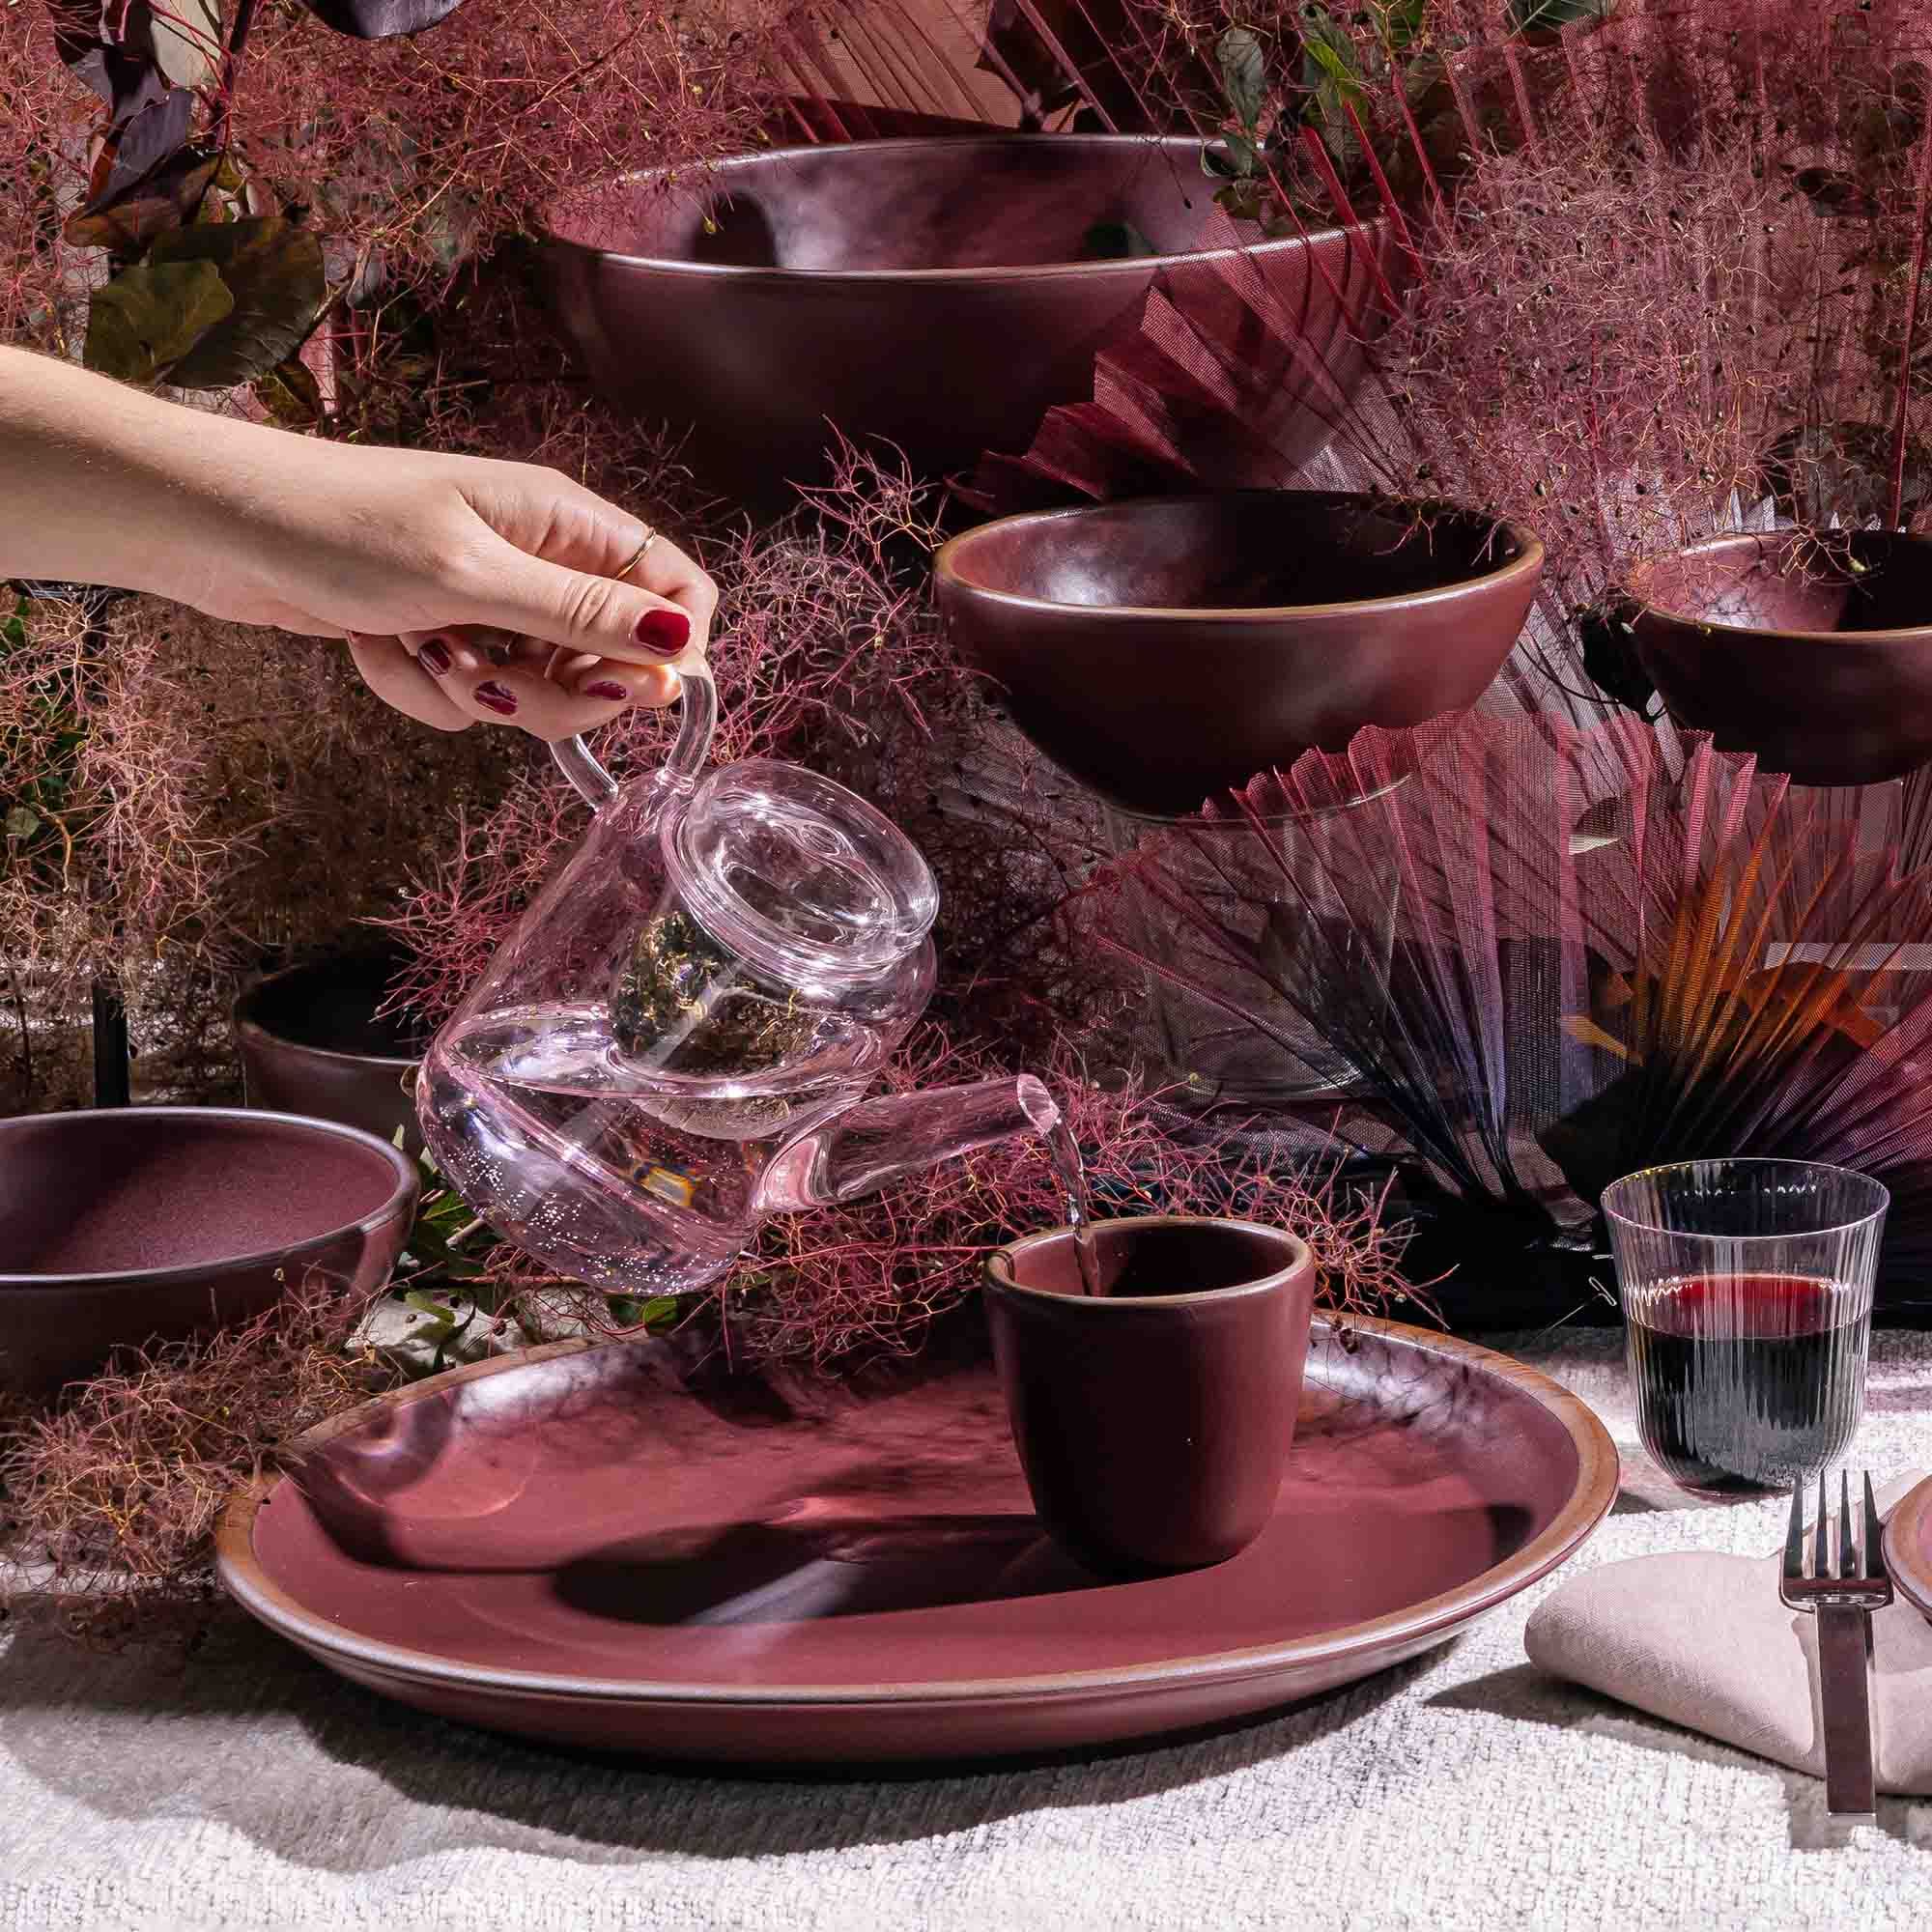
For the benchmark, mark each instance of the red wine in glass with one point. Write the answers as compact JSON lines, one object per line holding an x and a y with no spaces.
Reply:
{"x":1749,"y":1381}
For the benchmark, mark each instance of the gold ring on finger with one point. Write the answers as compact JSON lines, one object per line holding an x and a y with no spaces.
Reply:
{"x":638,"y":554}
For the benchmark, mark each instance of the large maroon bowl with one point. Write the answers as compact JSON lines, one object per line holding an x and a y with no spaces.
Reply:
{"x":935,"y":293}
{"x":1812,"y":653}
{"x":1164,"y":649}
{"x":313,"y":1041}
{"x":134,"y":1223}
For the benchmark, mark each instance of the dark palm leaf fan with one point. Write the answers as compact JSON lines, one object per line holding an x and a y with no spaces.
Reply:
{"x":1605,"y":953}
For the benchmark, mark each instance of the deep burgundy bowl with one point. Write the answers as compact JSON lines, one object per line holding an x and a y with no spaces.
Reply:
{"x":1164,"y":649}
{"x":936,"y":292}
{"x":1813,"y":654}
{"x":133,"y":1224}
{"x":311,"y":1043}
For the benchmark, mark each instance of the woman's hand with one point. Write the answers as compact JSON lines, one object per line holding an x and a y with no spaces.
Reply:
{"x":466,"y":589}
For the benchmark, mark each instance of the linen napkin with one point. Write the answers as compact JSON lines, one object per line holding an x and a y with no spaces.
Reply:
{"x":1701,"y":1640}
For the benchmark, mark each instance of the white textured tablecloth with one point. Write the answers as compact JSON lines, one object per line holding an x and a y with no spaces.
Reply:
{"x":1462,"y":1791}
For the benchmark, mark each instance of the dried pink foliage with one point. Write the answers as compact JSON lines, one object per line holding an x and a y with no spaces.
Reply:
{"x":1680,"y":294}
{"x":835,"y":1286}
{"x":430,"y":148}
{"x":109,"y":1499}
{"x":189,"y":797}
{"x":43,"y":170}
{"x":824,"y":648}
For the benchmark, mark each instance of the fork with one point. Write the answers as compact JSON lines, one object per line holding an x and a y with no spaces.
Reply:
{"x":1842,"y":1597}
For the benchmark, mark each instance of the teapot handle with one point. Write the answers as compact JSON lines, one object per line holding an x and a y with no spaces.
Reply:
{"x":698,"y":697}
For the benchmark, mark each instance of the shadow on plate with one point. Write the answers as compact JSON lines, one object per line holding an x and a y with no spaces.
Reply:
{"x":783,"y":1573}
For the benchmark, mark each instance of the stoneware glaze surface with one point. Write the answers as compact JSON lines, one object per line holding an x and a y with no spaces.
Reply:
{"x":1908,"y":1547}
{"x":1813,"y":654}
{"x":1154,"y":1418}
{"x":597,"y":1546}
{"x":128,"y":1224}
{"x":930,"y":292}
{"x":1164,"y":649}
{"x":311,"y":1043}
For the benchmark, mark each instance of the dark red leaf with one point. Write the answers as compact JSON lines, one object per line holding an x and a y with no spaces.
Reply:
{"x":136,"y":147}
{"x":110,"y":47}
{"x":381,"y":19}
{"x":132,"y":218}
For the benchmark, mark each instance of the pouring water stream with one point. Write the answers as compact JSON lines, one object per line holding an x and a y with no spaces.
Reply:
{"x":1065,"y":1154}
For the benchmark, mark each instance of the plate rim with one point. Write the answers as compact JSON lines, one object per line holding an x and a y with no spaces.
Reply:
{"x":1598,"y":1477}
{"x":1906,"y":1525}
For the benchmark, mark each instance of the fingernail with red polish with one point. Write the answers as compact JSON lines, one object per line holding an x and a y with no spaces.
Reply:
{"x":499,"y":697}
{"x":603,"y":687}
{"x":665,"y":632}
{"x":435,"y":656}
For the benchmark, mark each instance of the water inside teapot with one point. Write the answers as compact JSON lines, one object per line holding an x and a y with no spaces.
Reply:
{"x":618,"y":1175}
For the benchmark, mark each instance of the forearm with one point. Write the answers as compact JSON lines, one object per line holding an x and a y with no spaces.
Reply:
{"x":103,"y":484}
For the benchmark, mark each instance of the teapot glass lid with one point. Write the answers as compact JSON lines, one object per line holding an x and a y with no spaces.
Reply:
{"x":799,"y":873}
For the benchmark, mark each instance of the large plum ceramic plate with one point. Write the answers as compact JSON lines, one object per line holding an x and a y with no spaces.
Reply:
{"x":599,"y":1546}
{"x":1908,"y":1547}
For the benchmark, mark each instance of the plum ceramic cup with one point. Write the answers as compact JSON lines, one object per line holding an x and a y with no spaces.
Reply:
{"x":1152,"y":1420}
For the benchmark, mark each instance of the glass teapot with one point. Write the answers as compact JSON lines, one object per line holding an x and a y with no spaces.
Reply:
{"x":675,"y":1040}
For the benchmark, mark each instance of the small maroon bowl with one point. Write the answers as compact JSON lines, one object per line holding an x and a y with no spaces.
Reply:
{"x":128,"y":1225}
{"x":1812,"y":653}
{"x":1152,"y":1420}
{"x":314,"y":1041}
{"x":1162,"y":650}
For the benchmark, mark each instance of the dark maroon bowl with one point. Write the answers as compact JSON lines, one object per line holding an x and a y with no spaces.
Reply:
{"x":1813,"y":654}
{"x":135,"y":1224}
{"x":931,"y":292}
{"x":313,"y":1041}
{"x":1152,"y":1420}
{"x":1165,"y":650}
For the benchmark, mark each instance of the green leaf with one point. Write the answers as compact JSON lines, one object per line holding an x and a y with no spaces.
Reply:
{"x":630,"y":1313}
{"x":429,"y":1245}
{"x":1248,"y":201}
{"x":1116,"y":242}
{"x":447,"y":1213}
{"x":437,"y":1311}
{"x":292,"y":398}
{"x":275,"y":273}
{"x":1400,"y":21}
{"x":1332,"y":57}
{"x":1233,"y":157}
{"x":21,"y":822}
{"x":1243,"y":74}
{"x":163,"y":200}
{"x":149,"y":317}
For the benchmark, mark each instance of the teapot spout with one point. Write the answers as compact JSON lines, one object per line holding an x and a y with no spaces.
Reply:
{"x":880,"y":1141}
